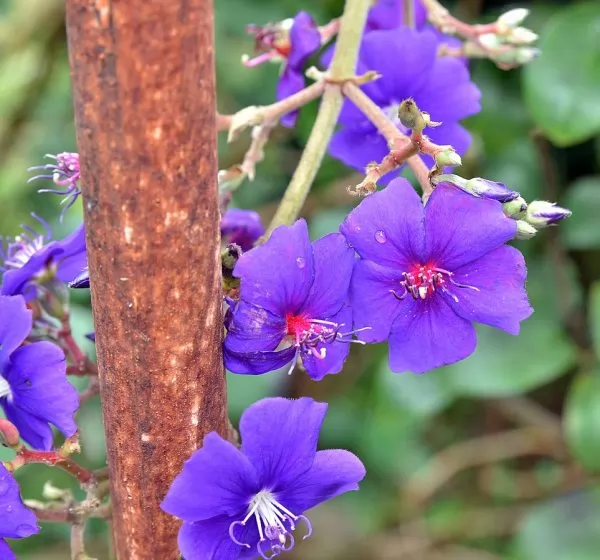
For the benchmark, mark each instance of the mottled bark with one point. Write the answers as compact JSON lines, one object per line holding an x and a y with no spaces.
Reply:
{"x":143,"y":83}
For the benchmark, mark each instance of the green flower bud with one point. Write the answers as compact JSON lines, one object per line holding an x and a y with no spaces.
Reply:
{"x":449,"y":157}
{"x":525,"y":230}
{"x":410,"y":116}
{"x":516,"y":208}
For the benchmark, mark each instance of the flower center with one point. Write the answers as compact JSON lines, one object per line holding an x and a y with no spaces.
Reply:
{"x":273,"y":41}
{"x":23,"y":247}
{"x":275,"y":524}
{"x":307,"y":333}
{"x":423,"y":280}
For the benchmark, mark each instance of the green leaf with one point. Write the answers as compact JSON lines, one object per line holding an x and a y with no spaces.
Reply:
{"x":561,"y":87}
{"x":562,"y":529}
{"x":582,"y":418}
{"x":581,"y":231}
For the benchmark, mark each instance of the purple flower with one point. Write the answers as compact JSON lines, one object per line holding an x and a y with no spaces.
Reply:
{"x":17,"y":522}
{"x":292,"y":304}
{"x":238,"y":504}
{"x":32,"y":258}
{"x":65,"y":173}
{"x":242,"y":227}
{"x":389,"y":14}
{"x":292,"y":41}
{"x":428,"y":272}
{"x":410,"y":67}
{"x":34,"y":390}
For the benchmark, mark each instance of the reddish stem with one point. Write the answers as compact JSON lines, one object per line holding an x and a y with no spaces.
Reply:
{"x":53,"y":459}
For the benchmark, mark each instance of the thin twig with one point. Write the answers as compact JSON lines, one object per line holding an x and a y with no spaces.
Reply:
{"x":396,"y":139}
{"x":476,"y":452}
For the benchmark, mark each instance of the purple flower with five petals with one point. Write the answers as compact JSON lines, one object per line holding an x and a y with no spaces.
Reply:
{"x":34,"y":390}
{"x":389,"y":14}
{"x":292,"y":304}
{"x":33,"y":258}
{"x":237,"y":504}
{"x":293,"y":41}
{"x":18,"y":521}
{"x":410,"y":68}
{"x":427,"y":273}
{"x":242,"y":227}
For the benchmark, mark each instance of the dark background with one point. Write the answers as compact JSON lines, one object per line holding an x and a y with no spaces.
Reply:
{"x":490,"y":458}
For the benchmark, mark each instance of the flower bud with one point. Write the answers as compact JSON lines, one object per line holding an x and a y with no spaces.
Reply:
{"x":515,"y":208}
{"x":489,"y":40}
{"x":51,"y":492}
{"x":490,"y":189}
{"x":410,"y":116}
{"x":525,"y":230}
{"x":524,"y":55}
{"x":512,"y":18}
{"x":522,"y":36}
{"x":447,"y":157}
{"x":9,"y":434}
{"x":542,"y":213}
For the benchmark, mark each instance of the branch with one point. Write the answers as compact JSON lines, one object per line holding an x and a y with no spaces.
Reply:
{"x":476,"y":452}
{"x":342,"y":66}
{"x":396,"y":139}
{"x":144,"y":94}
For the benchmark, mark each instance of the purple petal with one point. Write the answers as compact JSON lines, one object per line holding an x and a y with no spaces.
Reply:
{"x":37,"y":377}
{"x":357,"y":148}
{"x":335,"y":352}
{"x":15,"y":324}
{"x":334,"y":261}
{"x":373,"y":302}
{"x":35,"y":431}
{"x":217,"y":479}
{"x":5,"y":552}
{"x":449,"y":94}
{"x":501,"y":301}
{"x":449,"y":133}
{"x":388,"y":14}
{"x":291,"y":81}
{"x":210,"y":539}
{"x":278,"y":275}
{"x":242,"y":227}
{"x":305,"y":39}
{"x":404,"y":57}
{"x":252,"y":329}
{"x":387,"y":226}
{"x":279,"y":437}
{"x":428,"y":334}
{"x":17,"y":520}
{"x":333,"y":472}
{"x":15,"y":281}
{"x":256,"y":363}
{"x":73,"y":259}
{"x":461,"y":228}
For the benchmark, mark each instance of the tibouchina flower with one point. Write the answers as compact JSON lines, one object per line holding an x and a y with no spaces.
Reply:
{"x":242,"y":227}
{"x":33,"y":258}
{"x":427,"y":273}
{"x":293,"y":41}
{"x":34,"y":390}
{"x":292,"y":304}
{"x":410,"y":68}
{"x":248,"y":502}
{"x":16,"y":521}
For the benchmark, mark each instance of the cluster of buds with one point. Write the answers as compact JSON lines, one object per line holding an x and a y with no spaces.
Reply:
{"x":509,"y":44}
{"x":530,"y":217}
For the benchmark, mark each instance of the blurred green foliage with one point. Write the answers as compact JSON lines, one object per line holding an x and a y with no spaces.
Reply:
{"x":498,"y":490}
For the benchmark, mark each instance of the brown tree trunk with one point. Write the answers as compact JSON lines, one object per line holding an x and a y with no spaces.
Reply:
{"x":143,"y":83}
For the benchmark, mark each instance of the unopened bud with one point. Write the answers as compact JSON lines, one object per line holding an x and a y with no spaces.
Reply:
{"x":489,"y":40}
{"x":516,"y":208}
{"x":525,"y":230}
{"x":542,"y":213}
{"x":490,"y":189}
{"x":516,"y":56}
{"x":522,"y":36}
{"x":449,"y":157}
{"x":410,"y":116}
{"x":512,"y":18}
{"x":229,"y":258}
{"x":524,"y":55}
{"x":9,"y":435}
{"x":51,"y":492}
